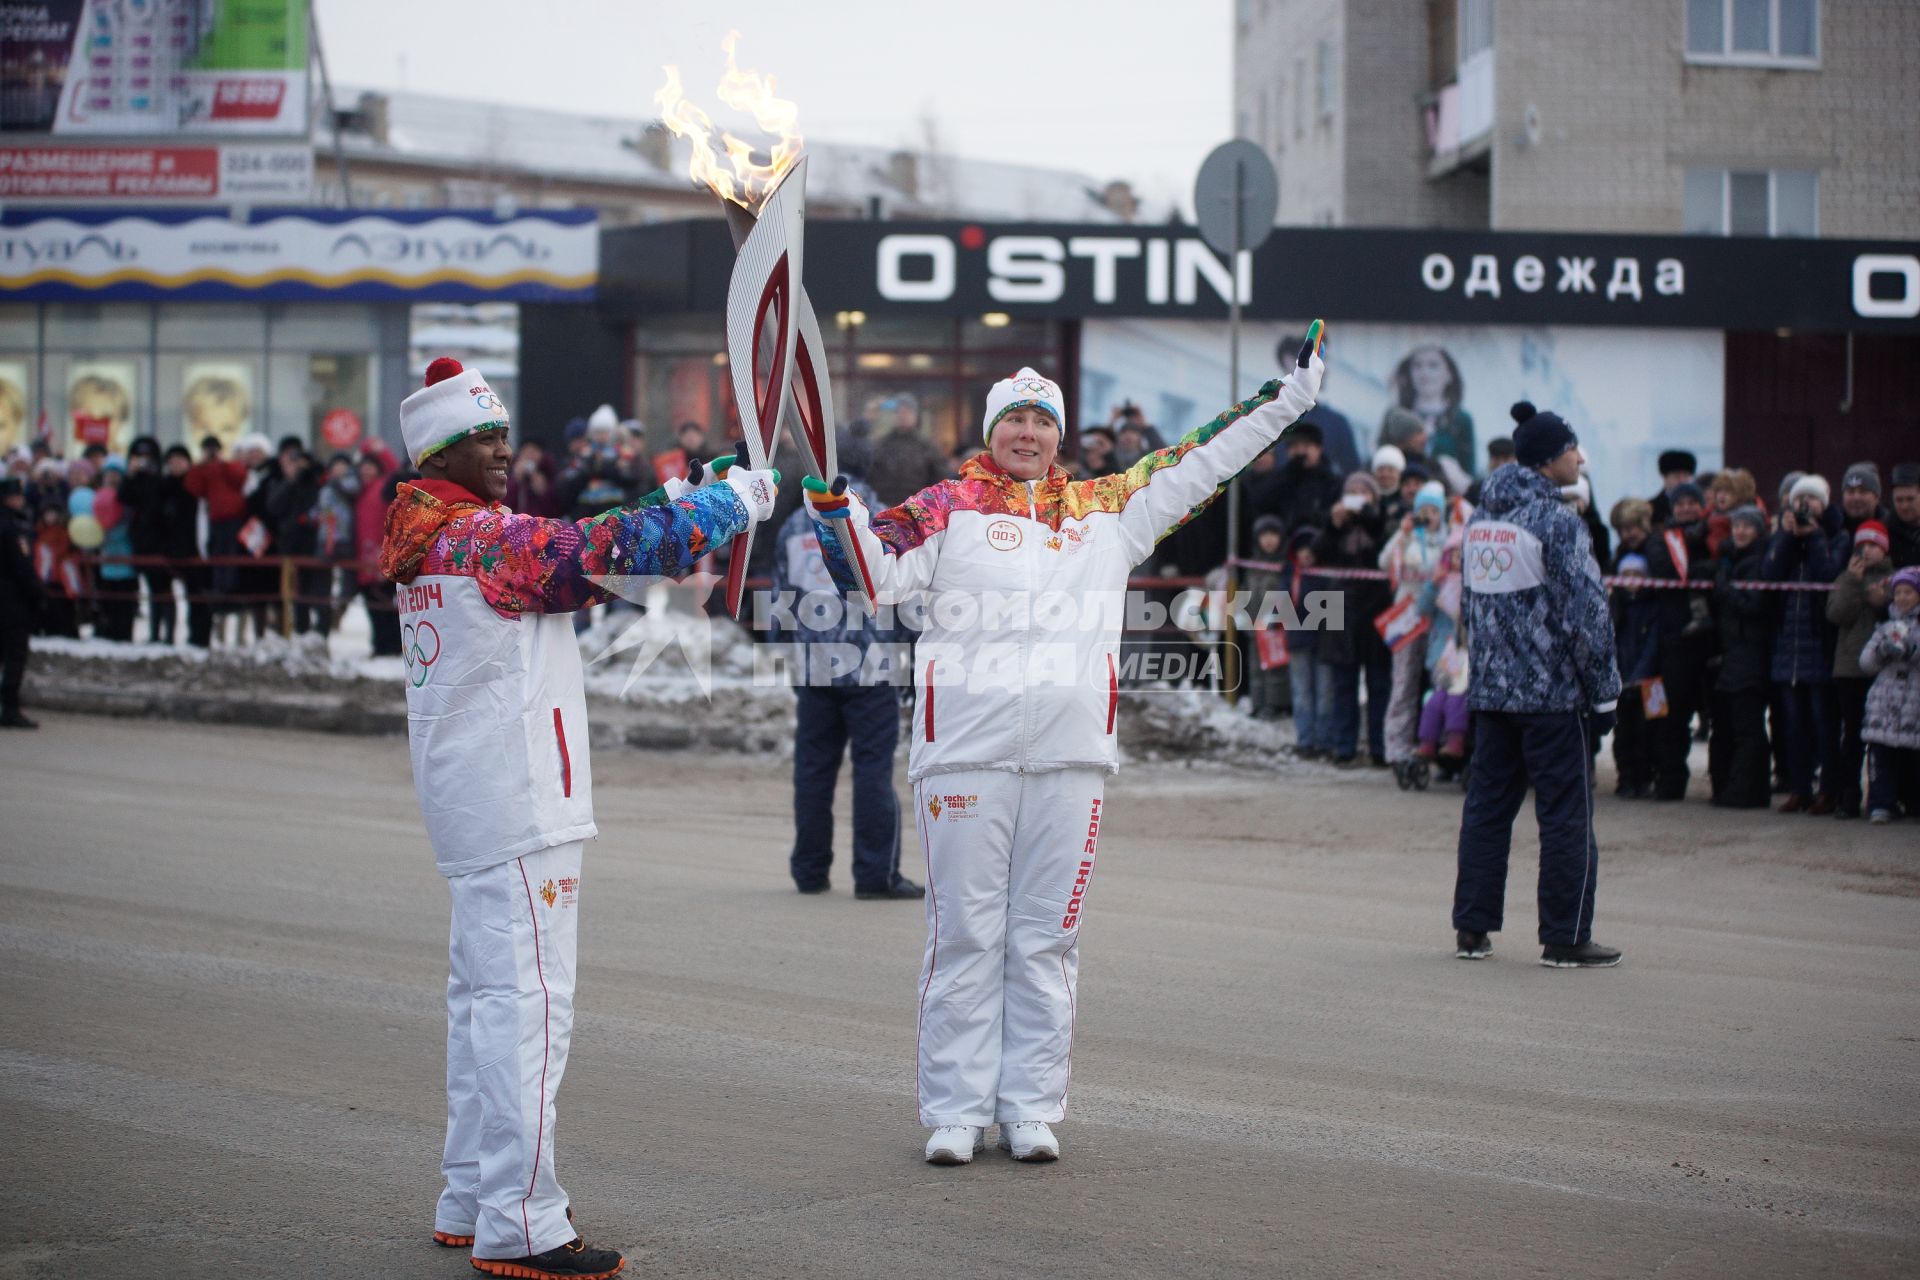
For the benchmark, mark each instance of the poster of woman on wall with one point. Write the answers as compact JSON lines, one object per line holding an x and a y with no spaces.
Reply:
{"x":13,"y":405}
{"x":100,"y":400}
{"x":1428,"y":382}
{"x":216,"y":400}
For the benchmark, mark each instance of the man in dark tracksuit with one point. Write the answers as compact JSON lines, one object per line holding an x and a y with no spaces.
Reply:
{"x":841,"y":705}
{"x":1540,"y":646}
{"x":20,"y":593}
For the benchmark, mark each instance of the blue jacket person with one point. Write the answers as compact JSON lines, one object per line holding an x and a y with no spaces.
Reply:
{"x":1540,"y":645}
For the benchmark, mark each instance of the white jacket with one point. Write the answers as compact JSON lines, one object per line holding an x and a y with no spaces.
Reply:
{"x":1023,"y":584}
{"x":496,"y":705}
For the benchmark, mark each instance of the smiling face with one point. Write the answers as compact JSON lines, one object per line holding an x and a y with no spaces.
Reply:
{"x":1685,"y":510}
{"x":477,"y":463}
{"x":1025,"y":442}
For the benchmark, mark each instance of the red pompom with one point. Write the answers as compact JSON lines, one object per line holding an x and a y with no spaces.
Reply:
{"x":442,"y":369}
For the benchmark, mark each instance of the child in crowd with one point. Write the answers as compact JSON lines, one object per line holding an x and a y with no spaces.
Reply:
{"x":1445,"y":718}
{"x":1411,"y":557}
{"x":1310,"y":726}
{"x":1854,"y":606}
{"x":1892,"y":726}
{"x":1267,"y":683}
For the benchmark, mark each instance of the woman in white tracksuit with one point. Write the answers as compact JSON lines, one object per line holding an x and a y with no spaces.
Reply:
{"x":1022,"y":572}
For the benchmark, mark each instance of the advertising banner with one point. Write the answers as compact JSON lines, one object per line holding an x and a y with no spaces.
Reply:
{"x":216,"y":399}
{"x":15,"y":405}
{"x":305,"y":254}
{"x":1628,"y":394}
{"x":131,"y":68}
{"x":157,"y":175}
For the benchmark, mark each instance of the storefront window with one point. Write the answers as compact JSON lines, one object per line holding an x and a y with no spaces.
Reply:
{"x":933,"y":371}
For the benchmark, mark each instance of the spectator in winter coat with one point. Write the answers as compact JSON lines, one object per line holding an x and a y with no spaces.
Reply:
{"x":63,"y":580}
{"x":1444,"y":720}
{"x":292,"y":506}
{"x":1411,"y":558}
{"x":140,"y":498}
{"x":1903,"y":525}
{"x":117,"y":593}
{"x":1677,"y":467}
{"x":1892,"y":730}
{"x":1312,"y":693}
{"x":220,"y":483}
{"x":1307,"y":488}
{"x":1804,"y":550}
{"x":1352,"y":540}
{"x":904,"y":461}
{"x":1860,"y":499}
{"x":1737,"y":754}
{"x":20,"y":595}
{"x":379,"y":477}
{"x":1679,"y":554}
{"x":533,"y":488}
{"x":1636,"y":638}
{"x":1855,"y":606}
{"x":333,"y":528}
{"x":1731,"y":489}
{"x":1388,"y":462}
{"x":1541,"y":649}
{"x":1267,"y":684}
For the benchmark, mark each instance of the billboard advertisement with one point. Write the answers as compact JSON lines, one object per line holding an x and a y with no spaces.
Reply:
{"x":134,"y":68}
{"x":1629,"y":394}
{"x":262,"y":172}
{"x":292,"y":255}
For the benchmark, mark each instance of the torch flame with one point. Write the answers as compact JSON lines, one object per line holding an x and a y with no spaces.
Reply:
{"x":749,"y":181}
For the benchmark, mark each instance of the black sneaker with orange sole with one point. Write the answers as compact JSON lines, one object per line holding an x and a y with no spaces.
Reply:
{"x":575,"y":1260}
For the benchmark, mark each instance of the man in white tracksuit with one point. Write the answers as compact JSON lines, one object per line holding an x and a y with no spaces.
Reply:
{"x":496,"y":722}
{"x":1023,"y":572}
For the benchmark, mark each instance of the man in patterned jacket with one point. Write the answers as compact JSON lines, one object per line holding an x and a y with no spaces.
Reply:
{"x":1540,"y":646}
{"x":496,"y":726}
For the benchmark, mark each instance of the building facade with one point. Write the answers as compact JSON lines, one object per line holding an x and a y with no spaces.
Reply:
{"x":1729,"y":117}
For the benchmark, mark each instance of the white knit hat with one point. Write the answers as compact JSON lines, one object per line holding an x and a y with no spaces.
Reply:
{"x":603,"y":419}
{"x":455,"y":403}
{"x":1024,"y":390}
{"x":1811,"y":486}
{"x":1388,"y":456}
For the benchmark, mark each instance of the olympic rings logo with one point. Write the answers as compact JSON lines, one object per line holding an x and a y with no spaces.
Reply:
{"x":413,"y":638}
{"x":1034,"y":387}
{"x":1493,"y":563}
{"x":484,"y":398}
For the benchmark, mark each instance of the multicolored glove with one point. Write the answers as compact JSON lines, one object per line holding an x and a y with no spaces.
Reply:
{"x":827,"y":501}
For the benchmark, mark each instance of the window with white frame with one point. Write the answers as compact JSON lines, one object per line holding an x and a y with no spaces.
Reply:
{"x":1753,"y":202}
{"x":1324,"y":86}
{"x":1755,"y":32}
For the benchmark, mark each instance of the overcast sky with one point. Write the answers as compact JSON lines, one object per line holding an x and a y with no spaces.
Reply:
{"x":1134,"y":89}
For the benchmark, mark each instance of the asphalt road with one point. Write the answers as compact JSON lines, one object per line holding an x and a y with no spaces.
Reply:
{"x":222,"y":954}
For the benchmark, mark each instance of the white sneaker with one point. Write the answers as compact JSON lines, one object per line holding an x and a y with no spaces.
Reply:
{"x":955,"y":1143}
{"x":1880,"y":817}
{"x":1029,"y":1140}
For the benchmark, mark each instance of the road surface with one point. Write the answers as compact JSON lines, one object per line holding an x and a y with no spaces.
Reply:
{"x":221,"y":1027}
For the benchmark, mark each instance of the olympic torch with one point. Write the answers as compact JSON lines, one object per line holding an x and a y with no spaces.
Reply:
{"x":775,"y":354}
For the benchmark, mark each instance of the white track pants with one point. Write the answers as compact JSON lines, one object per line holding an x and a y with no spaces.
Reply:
{"x":509,"y":1017}
{"x":1009,"y":857}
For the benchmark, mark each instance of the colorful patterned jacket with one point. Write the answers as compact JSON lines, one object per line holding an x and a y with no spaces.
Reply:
{"x":1539,"y":633}
{"x":1018,"y":589}
{"x":496,"y":706}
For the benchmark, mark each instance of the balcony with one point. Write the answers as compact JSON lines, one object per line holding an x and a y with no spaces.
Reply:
{"x":1458,"y":118}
